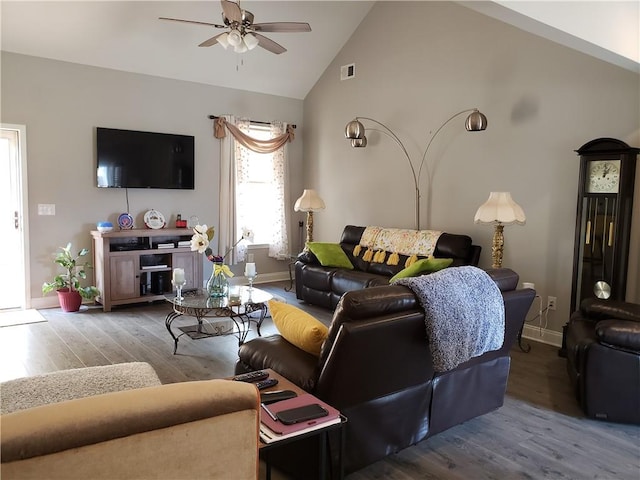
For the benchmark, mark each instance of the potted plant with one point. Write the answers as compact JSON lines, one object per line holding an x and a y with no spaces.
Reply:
{"x":70,"y":293}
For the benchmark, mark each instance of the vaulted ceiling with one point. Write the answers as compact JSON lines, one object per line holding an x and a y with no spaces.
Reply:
{"x":128,"y":36}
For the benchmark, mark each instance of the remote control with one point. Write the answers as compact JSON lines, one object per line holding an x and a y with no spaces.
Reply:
{"x":251,"y":376}
{"x":276,"y":396}
{"x":269,"y":382}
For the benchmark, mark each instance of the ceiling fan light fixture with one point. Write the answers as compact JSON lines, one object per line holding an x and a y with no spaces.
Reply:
{"x":234,"y":37}
{"x":241,"y":48}
{"x":250,"y":41}
{"x":223,"y":40}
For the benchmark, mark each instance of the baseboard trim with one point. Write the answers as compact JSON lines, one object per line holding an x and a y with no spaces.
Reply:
{"x":550,"y":337}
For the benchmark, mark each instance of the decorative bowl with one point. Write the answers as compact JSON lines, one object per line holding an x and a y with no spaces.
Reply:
{"x":105,"y":227}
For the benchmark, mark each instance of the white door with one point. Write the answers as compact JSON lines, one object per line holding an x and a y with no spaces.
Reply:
{"x":13,"y":227}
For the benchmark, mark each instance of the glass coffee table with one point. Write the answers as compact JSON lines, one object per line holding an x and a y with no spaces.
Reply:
{"x":211,"y":311}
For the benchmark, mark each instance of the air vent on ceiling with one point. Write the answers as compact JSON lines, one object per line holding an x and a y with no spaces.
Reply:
{"x":347,"y":71}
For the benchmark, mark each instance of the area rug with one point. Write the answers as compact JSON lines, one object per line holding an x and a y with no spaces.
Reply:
{"x":20,"y":317}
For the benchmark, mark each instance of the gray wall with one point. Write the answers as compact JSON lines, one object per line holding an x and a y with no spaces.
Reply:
{"x":62,"y":103}
{"x":418,"y":63}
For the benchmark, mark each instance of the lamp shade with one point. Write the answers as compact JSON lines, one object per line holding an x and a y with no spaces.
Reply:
{"x":310,"y":201}
{"x":354,"y":129}
{"x":359,"y":142}
{"x":234,"y":38}
{"x":476,"y":122}
{"x":250,"y":41}
{"x":241,"y":48}
{"x":500,"y":209}
{"x":222,"y":40}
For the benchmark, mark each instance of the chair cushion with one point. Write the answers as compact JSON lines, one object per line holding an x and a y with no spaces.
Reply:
{"x":298,"y":327}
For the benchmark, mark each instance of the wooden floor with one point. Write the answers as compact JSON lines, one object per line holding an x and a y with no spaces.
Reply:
{"x":539,"y":433}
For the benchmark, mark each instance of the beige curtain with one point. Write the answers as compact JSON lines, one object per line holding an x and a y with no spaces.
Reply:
{"x":226,"y":230}
{"x":232,"y":166}
{"x":220,"y":125}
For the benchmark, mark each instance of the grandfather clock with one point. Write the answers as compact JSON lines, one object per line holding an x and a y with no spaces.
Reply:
{"x":603,"y":221}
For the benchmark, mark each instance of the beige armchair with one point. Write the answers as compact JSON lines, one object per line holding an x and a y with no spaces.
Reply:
{"x":190,"y":430}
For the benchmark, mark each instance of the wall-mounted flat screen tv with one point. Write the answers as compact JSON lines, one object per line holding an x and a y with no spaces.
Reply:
{"x":132,"y":159}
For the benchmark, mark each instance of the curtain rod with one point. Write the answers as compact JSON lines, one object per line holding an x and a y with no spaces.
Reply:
{"x":213,"y":117}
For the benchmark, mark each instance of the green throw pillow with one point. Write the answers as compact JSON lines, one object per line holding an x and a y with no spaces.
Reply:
{"x":426,"y":265}
{"x":330,"y":255}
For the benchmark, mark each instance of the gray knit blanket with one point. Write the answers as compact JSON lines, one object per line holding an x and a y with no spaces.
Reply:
{"x":464,"y":314}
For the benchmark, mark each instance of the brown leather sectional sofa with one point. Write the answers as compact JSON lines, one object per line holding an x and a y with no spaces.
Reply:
{"x":375,"y":367}
{"x":324,"y":286}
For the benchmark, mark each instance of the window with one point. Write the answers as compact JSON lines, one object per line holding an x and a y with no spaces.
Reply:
{"x":260,"y":186}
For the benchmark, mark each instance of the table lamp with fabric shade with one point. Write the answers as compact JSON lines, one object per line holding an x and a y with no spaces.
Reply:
{"x":499,"y":210}
{"x":309,"y":202}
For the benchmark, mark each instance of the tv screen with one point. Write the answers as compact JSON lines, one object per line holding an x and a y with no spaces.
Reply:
{"x":131,"y":159}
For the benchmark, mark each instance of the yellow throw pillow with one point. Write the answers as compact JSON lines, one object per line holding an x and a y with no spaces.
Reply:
{"x":298,"y":327}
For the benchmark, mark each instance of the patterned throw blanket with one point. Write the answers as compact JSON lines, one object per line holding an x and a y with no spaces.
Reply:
{"x":379,"y":241}
{"x":464,"y":314}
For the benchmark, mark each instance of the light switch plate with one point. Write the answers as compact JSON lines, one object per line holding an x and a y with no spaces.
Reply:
{"x":46,"y":209}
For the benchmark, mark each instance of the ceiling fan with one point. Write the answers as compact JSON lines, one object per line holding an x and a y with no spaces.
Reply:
{"x":243,"y":33}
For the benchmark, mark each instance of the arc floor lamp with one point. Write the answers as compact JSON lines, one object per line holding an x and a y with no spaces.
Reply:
{"x":356,"y":132}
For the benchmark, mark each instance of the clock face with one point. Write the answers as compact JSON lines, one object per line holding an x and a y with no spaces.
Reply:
{"x":603,"y":176}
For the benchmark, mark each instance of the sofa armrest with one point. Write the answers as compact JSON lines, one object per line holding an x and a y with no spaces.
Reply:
{"x":621,"y":334}
{"x":306,"y":256}
{"x":279,"y":355}
{"x":57,"y":427}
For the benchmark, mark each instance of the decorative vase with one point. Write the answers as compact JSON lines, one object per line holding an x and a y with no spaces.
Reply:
{"x":218,"y":284}
{"x":70,"y":301}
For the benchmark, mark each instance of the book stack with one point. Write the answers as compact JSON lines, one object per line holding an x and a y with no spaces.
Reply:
{"x":164,"y":245}
{"x":272,"y":429}
{"x":184,"y":243}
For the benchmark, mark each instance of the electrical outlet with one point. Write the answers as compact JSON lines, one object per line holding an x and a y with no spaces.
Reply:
{"x":551,"y":302}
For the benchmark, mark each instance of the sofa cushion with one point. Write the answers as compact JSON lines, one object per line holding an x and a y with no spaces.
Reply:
{"x":346,"y":280}
{"x":451,"y":245}
{"x":426,"y":265}
{"x":298,"y":327}
{"x":330,"y":255}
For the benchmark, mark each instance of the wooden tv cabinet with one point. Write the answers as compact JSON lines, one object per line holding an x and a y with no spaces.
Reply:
{"x":129,"y":267}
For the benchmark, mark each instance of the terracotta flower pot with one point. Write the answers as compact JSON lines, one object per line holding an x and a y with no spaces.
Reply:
{"x":70,"y":301}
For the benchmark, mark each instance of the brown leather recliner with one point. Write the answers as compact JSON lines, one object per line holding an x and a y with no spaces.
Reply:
{"x":603,"y":359}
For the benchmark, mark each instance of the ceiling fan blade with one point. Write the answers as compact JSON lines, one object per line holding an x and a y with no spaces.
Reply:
{"x":192,"y":21}
{"x":269,"y":44}
{"x":281,"y":27}
{"x":232,"y":11}
{"x":212,"y":41}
